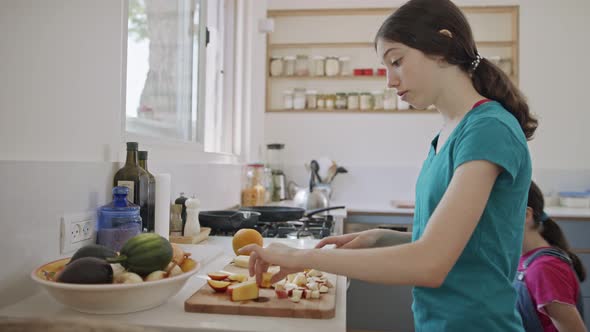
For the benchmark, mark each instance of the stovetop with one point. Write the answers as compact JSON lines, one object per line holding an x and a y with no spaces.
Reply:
{"x":318,"y":226}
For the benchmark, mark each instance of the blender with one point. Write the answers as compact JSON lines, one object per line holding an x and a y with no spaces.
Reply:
{"x":275,"y":162}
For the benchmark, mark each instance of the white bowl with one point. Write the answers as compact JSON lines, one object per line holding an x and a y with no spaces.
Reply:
{"x":110,"y":298}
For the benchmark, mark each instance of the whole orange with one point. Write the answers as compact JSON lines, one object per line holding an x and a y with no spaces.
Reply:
{"x":244,"y":237}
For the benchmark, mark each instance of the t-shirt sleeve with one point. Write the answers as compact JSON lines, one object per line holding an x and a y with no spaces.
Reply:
{"x":492,"y":140}
{"x":551,"y":280}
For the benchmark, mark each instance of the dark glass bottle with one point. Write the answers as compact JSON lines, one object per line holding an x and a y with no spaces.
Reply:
{"x":151,"y":215}
{"x":181,"y":201}
{"x":137,"y":180}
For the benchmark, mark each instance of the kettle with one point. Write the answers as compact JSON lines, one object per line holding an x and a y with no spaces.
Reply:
{"x":315,"y":196}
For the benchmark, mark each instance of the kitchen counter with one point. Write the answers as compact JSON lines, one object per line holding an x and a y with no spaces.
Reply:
{"x":556,"y":212}
{"x":214,"y":253}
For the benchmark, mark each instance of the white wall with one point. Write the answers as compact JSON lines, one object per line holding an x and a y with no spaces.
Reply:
{"x":61,"y":134}
{"x":553,"y":76}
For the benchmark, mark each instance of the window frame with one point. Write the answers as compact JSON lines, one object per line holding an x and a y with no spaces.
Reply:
{"x":177,"y":150}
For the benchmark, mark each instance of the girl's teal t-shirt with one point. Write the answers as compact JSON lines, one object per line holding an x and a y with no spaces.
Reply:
{"x":477,"y":294}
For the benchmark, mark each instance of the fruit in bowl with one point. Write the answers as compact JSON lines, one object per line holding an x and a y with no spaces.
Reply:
{"x":141,"y":277}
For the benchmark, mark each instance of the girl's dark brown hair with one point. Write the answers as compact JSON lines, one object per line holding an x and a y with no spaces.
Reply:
{"x":550,"y":230}
{"x":418,"y":23}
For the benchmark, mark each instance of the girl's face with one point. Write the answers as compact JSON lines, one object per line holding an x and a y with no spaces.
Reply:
{"x":415,"y":76}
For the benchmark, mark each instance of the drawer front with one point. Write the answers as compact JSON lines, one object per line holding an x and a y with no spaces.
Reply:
{"x":577,"y":233}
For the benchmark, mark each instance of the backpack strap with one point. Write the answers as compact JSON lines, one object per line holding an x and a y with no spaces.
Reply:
{"x":548,"y":252}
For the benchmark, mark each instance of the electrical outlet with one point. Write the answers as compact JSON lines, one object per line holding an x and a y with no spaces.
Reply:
{"x":77,"y":230}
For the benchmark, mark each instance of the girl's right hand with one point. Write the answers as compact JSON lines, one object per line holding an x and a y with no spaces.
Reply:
{"x":366,"y":239}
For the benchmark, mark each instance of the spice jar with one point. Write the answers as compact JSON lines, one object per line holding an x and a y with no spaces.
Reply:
{"x":341,"y":101}
{"x":289,"y":65}
{"x":299,"y":99}
{"x":330,"y":100}
{"x":302,"y":65}
{"x":353,"y":101}
{"x":389,"y":99}
{"x":402,"y":105}
{"x":332,"y":66}
{"x":345,"y":69}
{"x":377,"y":99}
{"x":366,"y":101}
{"x":321,"y":102}
{"x":288,"y":99}
{"x":319,"y":68}
{"x":276,"y":66}
{"x":311,"y":101}
{"x":253,"y":192}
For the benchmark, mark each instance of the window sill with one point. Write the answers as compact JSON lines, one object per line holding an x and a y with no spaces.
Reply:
{"x":176,"y":151}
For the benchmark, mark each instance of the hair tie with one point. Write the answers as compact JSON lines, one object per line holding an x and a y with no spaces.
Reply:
{"x":475,"y":62}
{"x":544,"y":216}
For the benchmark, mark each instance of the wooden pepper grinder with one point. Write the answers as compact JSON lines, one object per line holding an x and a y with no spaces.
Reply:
{"x":192,"y":226}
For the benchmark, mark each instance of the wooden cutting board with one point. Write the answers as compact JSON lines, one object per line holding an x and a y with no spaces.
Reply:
{"x":206,"y":300}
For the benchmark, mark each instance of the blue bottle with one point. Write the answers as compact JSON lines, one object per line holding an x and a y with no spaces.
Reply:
{"x":118,"y":221}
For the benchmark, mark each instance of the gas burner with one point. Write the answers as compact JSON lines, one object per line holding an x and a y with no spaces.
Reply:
{"x":319,"y":226}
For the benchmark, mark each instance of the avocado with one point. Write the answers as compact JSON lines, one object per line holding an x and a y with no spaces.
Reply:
{"x":87,"y":270}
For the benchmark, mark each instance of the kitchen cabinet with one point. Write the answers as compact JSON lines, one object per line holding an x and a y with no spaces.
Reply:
{"x":329,"y":33}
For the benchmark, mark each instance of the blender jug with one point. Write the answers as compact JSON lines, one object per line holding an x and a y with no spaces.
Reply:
{"x":275,"y":162}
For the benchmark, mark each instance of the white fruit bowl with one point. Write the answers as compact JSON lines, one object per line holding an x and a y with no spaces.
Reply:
{"x":110,"y":298}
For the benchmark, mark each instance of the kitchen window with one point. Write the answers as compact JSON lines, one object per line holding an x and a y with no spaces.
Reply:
{"x":179,"y":73}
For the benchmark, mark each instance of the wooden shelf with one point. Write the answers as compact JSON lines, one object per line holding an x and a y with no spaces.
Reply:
{"x":409,"y":111}
{"x":507,"y":43}
{"x":347,"y":78}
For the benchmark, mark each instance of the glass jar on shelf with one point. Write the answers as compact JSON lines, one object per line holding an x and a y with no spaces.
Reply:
{"x":302,"y":65}
{"x":390,"y":99}
{"x":321,"y":102}
{"x":289,"y":65}
{"x":276,"y":66}
{"x":319,"y":65}
{"x":253,"y":182}
{"x":332,"y":66}
{"x":366,"y":101}
{"x":377,"y":99}
{"x":353,"y":101}
{"x":311,"y":101}
{"x":288,"y":99}
{"x":330,"y":101}
{"x":341,"y":101}
{"x":345,"y":69}
{"x":299,"y":99}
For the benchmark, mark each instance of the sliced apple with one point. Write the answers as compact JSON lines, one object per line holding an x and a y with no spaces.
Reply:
{"x":238,"y":277}
{"x":218,"y":275}
{"x":243,"y":291}
{"x":266,"y":276}
{"x":218,"y":286}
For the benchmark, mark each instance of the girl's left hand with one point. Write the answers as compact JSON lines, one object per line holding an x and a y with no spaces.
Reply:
{"x":276,"y":254}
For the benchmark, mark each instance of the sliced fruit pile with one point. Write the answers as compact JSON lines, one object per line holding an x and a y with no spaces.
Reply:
{"x":304,"y":285}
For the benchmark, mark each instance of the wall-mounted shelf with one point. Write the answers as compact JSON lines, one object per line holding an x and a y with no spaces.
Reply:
{"x":508,"y":43}
{"x":351,"y":111}
{"x":328,"y":32}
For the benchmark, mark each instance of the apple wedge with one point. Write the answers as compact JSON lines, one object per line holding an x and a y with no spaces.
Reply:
{"x":218,"y":275}
{"x":218,"y":286}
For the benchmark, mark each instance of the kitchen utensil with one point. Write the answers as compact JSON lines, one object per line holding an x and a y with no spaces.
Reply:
{"x":339,"y":170}
{"x":283,"y":213}
{"x":229,"y":220}
{"x":110,"y":298}
{"x":206,"y":300}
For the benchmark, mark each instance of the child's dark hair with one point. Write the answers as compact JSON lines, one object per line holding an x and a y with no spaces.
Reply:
{"x":418,"y":23}
{"x":550,"y":230}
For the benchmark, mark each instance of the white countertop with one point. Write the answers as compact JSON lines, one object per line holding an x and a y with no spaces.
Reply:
{"x":552,"y":211}
{"x":214,"y":253}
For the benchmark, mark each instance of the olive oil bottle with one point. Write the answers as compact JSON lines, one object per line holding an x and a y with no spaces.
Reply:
{"x":137,"y":180}
{"x":151,"y":205}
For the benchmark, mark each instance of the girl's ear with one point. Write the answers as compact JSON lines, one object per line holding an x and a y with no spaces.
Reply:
{"x":529,"y":218}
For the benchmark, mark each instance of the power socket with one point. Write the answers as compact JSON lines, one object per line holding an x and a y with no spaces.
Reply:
{"x":77,"y":230}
